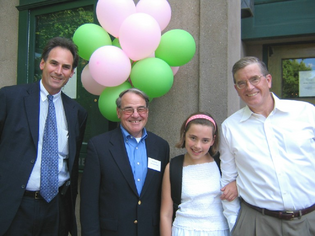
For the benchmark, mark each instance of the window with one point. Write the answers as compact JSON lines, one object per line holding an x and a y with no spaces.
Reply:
{"x":292,"y":67}
{"x":298,"y":77}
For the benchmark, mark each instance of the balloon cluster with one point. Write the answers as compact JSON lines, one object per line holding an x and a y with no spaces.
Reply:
{"x":138,"y":56}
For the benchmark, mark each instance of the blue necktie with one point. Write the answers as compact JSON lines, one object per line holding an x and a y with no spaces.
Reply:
{"x":49,"y":164}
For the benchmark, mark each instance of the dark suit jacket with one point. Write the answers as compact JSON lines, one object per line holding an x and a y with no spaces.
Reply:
{"x":19,"y":125}
{"x":110,"y":204}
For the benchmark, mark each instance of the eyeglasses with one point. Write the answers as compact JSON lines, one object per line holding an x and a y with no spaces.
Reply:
{"x":253,"y":81}
{"x":129,"y":110}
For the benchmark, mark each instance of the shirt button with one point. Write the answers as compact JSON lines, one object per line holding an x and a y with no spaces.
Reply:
{"x":138,"y":180}
{"x":135,"y":222}
{"x":138,"y":163}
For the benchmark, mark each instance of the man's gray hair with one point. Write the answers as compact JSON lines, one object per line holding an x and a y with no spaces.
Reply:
{"x":245,"y":61}
{"x":135,"y":91}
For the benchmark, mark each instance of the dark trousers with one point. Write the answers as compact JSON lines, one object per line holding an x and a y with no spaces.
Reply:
{"x":252,"y":223}
{"x":36,"y":217}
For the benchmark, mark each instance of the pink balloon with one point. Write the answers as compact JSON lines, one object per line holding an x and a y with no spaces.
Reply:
{"x":152,"y":54}
{"x":160,"y":10}
{"x":139,"y":36}
{"x":175,"y":69}
{"x":109,"y":66}
{"x":112,"y":13}
{"x":89,"y":83}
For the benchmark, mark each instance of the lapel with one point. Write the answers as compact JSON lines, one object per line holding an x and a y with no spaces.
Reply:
{"x":31,"y":103}
{"x":119,"y":154}
{"x":70,"y":113}
{"x":152,"y":151}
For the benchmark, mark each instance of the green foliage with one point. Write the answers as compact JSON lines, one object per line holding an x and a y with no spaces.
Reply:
{"x":62,"y":23}
{"x":290,"y":79}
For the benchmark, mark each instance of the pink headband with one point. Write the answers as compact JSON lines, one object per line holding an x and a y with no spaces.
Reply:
{"x":201,"y":116}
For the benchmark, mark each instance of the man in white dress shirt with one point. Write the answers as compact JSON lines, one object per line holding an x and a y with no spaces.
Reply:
{"x":269,"y":148}
{"x":23,"y":114}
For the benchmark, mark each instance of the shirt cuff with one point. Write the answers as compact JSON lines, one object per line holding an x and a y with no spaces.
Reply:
{"x":232,"y":221}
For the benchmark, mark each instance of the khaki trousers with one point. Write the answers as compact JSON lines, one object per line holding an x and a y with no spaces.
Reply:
{"x":252,"y":223}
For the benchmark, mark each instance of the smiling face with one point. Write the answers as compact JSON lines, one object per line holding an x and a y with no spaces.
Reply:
{"x":198,"y":140}
{"x":135,"y":122}
{"x":257,"y":97}
{"x":57,"y":69}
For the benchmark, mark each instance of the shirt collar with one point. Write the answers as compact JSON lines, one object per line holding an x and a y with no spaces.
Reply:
{"x":246,"y":114}
{"x":278,"y":105}
{"x":44,"y":93}
{"x":127,"y":136}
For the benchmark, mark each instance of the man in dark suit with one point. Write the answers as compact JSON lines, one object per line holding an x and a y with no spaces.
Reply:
{"x":23,"y":112}
{"x":121,"y":183}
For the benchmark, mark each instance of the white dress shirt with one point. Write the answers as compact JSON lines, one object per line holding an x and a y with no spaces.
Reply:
{"x":272,"y":159}
{"x":34,"y":180}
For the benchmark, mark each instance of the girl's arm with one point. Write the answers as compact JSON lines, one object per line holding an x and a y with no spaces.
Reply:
{"x":229,"y":191}
{"x":166,"y":214}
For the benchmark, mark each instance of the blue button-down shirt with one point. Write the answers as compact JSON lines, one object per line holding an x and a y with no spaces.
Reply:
{"x":137,"y":154}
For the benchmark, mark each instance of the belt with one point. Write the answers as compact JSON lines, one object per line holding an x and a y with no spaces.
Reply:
{"x":283,"y":215}
{"x":33,"y":194}
{"x":36,"y":194}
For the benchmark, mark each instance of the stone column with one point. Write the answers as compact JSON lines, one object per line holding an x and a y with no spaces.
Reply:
{"x":9,"y":16}
{"x":205,"y":83}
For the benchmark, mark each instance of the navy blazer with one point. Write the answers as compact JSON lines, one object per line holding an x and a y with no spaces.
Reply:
{"x":19,"y":125}
{"x":110,"y":204}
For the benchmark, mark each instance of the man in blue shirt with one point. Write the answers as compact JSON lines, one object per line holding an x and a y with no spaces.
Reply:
{"x":121,"y":183}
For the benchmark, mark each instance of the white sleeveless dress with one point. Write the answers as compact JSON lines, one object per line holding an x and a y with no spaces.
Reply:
{"x":200,"y":212}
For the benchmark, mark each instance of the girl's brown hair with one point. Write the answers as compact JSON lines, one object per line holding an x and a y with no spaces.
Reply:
{"x":201,"y":121}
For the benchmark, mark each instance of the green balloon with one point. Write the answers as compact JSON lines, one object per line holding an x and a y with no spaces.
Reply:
{"x":107,"y":101}
{"x":177,"y":47}
{"x":116,"y":43}
{"x":89,"y":37}
{"x":153,"y":76}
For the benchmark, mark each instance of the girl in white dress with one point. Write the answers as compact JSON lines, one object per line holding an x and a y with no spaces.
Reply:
{"x":200,"y":212}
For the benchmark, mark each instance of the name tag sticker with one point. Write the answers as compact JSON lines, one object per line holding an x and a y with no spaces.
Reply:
{"x":154,"y":164}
